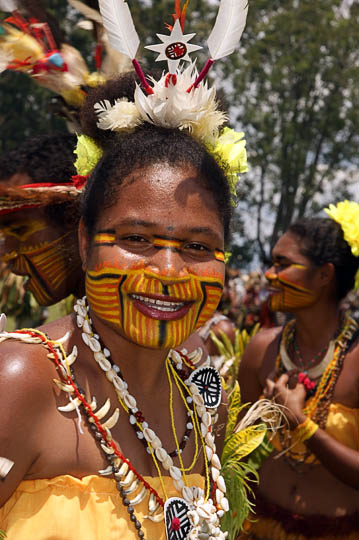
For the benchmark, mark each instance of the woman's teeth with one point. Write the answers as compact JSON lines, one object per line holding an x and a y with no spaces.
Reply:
{"x":161,"y":305}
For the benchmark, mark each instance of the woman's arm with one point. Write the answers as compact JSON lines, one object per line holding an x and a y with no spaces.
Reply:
{"x":23,"y":408}
{"x":338,"y":459}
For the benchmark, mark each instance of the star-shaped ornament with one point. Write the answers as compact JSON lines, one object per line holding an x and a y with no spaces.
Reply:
{"x":174,"y":47}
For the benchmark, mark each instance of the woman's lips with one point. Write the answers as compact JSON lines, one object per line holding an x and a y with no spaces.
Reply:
{"x":166,"y":309}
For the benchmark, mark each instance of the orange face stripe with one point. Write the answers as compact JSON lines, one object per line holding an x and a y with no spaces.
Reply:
{"x":109,"y":293}
{"x":104,"y":238}
{"x":165,"y":243}
{"x":219,"y":255}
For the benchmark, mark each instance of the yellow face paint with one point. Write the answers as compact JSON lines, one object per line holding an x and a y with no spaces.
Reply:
{"x":150,"y":309}
{"x":47,"y":266}
{"x":23,"y":229}
{"x":108,"y":238}
{"x":104,"y":239}
{"x":219,"y":255}
{"x":291,"y":295}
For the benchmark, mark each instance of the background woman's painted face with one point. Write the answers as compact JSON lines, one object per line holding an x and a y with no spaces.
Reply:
{"x":289,"y":277}
{"x":155,"y":270}
{"x":33,"y":246}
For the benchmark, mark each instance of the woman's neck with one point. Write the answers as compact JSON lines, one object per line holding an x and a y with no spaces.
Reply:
{"x":140,"y":366}
{"x":316,"y":326}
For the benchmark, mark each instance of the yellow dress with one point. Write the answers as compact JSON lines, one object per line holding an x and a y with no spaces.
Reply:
{"x":274,"y":523}
{"x":342,"y":424}
{"x":69,"y":508}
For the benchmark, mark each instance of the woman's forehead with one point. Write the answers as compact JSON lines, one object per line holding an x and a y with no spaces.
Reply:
{"x":288,"y":246}
{"x":174,"y":197}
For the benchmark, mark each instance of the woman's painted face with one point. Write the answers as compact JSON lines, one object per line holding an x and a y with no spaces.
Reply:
{"x":290,"y":277}
{"x":155,"y":269}
{"x":32,"y":246}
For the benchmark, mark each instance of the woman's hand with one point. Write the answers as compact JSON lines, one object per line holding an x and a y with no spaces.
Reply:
{"x":290,"y":396}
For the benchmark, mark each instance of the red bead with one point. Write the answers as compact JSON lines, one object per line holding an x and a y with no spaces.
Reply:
{"x":176,"y":524}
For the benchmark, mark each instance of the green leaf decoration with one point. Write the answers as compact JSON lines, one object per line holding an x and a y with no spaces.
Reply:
{"x":234,"y":407}
{"x":244,"y":442}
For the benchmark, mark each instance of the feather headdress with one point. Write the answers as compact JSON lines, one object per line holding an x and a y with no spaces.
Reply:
{"x":180,"y":99}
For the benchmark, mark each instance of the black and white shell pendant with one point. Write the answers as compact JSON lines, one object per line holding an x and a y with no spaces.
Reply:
{"x":209,"y":385}
{"x":177,"y":521}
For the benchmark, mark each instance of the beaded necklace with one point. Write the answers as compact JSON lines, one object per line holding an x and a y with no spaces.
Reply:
{"x":317,"y":406}
{"x":195,"y":514}
{"x":193,"y":517}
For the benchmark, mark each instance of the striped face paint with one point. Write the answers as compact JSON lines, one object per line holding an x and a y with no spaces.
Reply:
{"x":150,"y":309}
{"x":108,"y":238}
{"x":23,"y":229}
{"x":47,"y":266}
{"x":291,"y":295}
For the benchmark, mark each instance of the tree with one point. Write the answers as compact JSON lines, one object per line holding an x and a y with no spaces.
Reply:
{"x":296,"y":95}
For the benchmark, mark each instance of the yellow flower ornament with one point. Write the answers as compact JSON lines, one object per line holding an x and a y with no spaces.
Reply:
{"x":231,"y":148}
{"x":346,"y":213}
{"x":88,"y":154}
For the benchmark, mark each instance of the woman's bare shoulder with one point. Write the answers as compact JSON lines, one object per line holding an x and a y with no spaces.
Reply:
{"x":259,"y":345}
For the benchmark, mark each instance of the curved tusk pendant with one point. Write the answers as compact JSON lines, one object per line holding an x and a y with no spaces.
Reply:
{"x":70,"y":406}
{"x":64,"y":387}
{"x":152,"y":503}
{"x":109,"y":434}
{"x":132,"y":487}
{"x":128,"y":480}
{"x":140,"y":497}
{"x":104,"y":409}
{"x":106,"y":472}
{"x":51,"y":356}
{"x":70,"y":359}
{"x":112,"y":421}
{"x":107,"y":450}
{"x":93,"y":404}
{"x":123,"y":470}
{"x":63,"y":338}
{"x":5,"y":467}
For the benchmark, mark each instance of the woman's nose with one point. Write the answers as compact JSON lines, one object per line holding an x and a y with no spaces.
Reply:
{"x":168,"y":265}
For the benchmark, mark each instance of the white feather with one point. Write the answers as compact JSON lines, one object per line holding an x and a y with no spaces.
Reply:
{"x":119,"y":25}
{"x":8,"y":5}
{"x":228,"y":28}
{"x":88,"y":12}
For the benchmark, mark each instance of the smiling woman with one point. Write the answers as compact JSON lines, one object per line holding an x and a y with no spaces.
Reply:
{"x":126,"y":404}
{"x":155,"y":218}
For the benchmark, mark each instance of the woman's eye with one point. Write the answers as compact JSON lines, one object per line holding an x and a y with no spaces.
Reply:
{"x":135,"y":238}
{"x":195,"y":246}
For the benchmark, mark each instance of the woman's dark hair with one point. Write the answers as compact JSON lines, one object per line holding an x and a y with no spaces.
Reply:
{"x":322,"y":241}
{"x":45,"y":158}
{"x":147,"y":145}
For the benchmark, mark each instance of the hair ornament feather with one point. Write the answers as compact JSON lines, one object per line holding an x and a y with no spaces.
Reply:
{"x":171,"y":106}
{"x":231,"y":148}
{"x":122,"y":116}
{"x":88,"y":154}
{"x":179,"y":99}
{"x":8,"y":5}
{"x":346,"y":213}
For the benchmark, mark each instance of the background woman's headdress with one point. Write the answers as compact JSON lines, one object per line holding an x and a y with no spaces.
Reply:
{"x":346,"y":213}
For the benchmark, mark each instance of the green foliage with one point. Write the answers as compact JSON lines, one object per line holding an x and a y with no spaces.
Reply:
{"x":2,"y":535}
{"x":238,"y":474}
{"x":296,"y":87}
{"x":232,"y":353}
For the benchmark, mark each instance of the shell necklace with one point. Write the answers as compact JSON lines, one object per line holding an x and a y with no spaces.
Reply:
{"x":196,"y":515}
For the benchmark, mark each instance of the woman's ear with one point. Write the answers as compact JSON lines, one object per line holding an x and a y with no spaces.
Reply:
{"x":84,"y":244}
{"x":327,"y":273}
